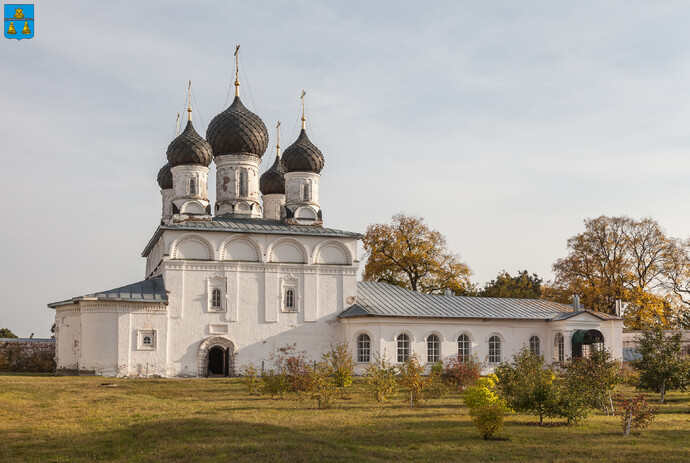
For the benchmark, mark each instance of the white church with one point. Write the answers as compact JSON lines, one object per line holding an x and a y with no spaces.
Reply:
{"x":228,"y":283}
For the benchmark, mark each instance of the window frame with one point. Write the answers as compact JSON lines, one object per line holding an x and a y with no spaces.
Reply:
{"x":243,"y":183}
{"x":467,"y":339}
{"x":495,"y":350}
{"x":142,"y":335}
{"x":289,"y":300}
{"x":535,"y":344}
{"x":193,"y":186}
{"x":433,"y":348}
{"x":403,"y":345}
{"x":363,"y":348}
{"x":559,"y":347}
{"x":306,"y":192}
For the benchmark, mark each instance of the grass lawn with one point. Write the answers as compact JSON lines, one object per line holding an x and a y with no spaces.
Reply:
{"x":46,"y":418}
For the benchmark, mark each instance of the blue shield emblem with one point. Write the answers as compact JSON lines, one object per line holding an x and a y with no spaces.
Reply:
{"x":19,"y":21}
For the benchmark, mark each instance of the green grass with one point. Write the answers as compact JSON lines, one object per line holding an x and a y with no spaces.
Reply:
{"x":51,"y":419}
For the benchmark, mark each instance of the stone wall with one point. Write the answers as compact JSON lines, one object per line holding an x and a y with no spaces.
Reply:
{"x":27,"y":355}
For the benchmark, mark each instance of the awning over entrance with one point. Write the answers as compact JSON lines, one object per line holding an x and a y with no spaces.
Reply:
{"x":588,"y":337}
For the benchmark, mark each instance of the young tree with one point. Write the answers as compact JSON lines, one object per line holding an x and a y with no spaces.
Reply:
{"x":486,"y":408}
{"x":341,"y":363}
{"x":588,"y":383}
{"x":521,"y":286}
{"x":413,"y":379}
{"x":380,"y":378}
{"x":7,"y":333}
{"x":662,"y":366}
{"x":634,"y":412}
{"x":408,"y":253}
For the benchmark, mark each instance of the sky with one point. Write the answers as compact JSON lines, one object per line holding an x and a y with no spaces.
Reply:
{"x":504,"y":124}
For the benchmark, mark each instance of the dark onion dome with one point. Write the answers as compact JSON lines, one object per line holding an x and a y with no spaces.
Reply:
{"x":272,"y":182}
{"x":165,"y":177}
{"x":237,"y":130}
{"x":189,"y":148}
{"x":303,"y":156}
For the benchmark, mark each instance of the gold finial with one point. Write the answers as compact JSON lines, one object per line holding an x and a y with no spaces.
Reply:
{"x":237,"y":70}
{"x":304,"y":119}
{"x":278,"y":138}
{"x":177,"y":129}
{"x":189,"y":96}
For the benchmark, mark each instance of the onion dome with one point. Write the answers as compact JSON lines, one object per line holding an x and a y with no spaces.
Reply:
{"x":237,"y":130}
{"x":303,"y":156}
{"x":272,"y":182}
{"x":189,"y":148}
{"x":165,"y":179}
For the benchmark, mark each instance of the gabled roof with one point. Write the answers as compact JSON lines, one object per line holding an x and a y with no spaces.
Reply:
{"x":385,"y":300}
{"x":151,"y":290}
{"x":243,"y":224}
{"x":600,"y":315}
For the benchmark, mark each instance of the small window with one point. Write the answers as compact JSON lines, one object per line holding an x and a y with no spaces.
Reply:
{"x":306,"y":192}
{"x":243,"y":183}
{"x":192,"y":186}
{"x":146,"y":339}
{"x":215,"y":299}
{"x":494,"y":349}
{"x":464,"y":347}
{"x":559,"y":345}
{"x":534,"y":345}
{"x":403,"y":348}
{"x":290,"y":300}
{"x":363,"y":348}
{"x":433,"y":348}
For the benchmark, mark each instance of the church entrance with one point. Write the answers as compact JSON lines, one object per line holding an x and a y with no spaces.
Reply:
{"x":217,"y":362}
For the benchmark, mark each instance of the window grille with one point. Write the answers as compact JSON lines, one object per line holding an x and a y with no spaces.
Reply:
{"x":534,"y":345}
{"x":215,"y":299}
{"x":433,"y":349}
{"x":363,"y":348}
{"x":494,"y":349}
{"x":290,"y":299}
{"x":559,"y":344}
{"x":464,"y":347}
{"x":403,"y":348}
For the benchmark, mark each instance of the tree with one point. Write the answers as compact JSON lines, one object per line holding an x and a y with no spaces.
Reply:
{"x":413,"y":379}
{"x":662,"y":366}
{"x":590,"y":380}
{"x":7,"y":333}
{"x":409,"y":254}
{"x":521,"y":286}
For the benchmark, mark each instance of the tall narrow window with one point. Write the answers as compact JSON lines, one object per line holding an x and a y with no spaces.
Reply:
{"x":494,"y":349}
{"x":363,"y":348}
{"x":243,"y":183}
{"x":215,"y":299}
{"x":464,"y":347}
{"x":192,"y":186}
{"x":403,"y":347}
{"x":306,"y":192}
{"x":290,"y":299}
{"x":559,"y":345}
{"x":534,"y":345}
{"x":433,"y":348}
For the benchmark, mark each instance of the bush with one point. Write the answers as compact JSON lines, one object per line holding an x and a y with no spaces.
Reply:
{"x":380,"y":379}
{"x":320,"y":385}
{"x":634,"y":412}
{"x":341,"y":364}
{"x":482,"y":394}
{"x":460,"y":372}
{"x":292,"y":364}
{"x":412,"y":378}
{"x":15,"y":358}
{"x":250,"y":379}
{"x":437,"y":388}
{"x":275,"y":383}
{"x":488,"y":420}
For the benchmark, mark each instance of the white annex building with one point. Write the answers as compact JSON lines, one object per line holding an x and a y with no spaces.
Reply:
{"x":228,"y":283}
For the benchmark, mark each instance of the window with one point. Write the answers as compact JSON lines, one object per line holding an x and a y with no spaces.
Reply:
{"x":363,"y":348}
{"x":192,"y":186}
{"x":215,"y":299}
{"x":559,"y":346}
{"x":433,"y":348}
{"x":146,"y":339}
{"x":243,"y":183}
{"x":290,"y":300}
{"x":494,"y":349}
{"x":464,"y":345}
{"x":306,"y":192}
{"x":534,"y":344}
{"x":403,"y":347}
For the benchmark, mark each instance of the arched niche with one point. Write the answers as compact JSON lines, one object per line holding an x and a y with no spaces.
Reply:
{"x":287,"y":251}
{"x":191,"y":247}
{"x":306,"y":212}
{"x":333,"y":253}
{"x":240,"y":249}
{"x":192,"y":207}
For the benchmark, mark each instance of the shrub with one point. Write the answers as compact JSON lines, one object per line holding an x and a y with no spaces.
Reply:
{"x":460,"y":372}
{"x":291,"y":363}
{"x":320,"y":385}
{"x":489,"y":421}
{"x":634,"y":412}
{"x":275,"y":383}
{"x":250,"y":379}
{"x":13,"y":357}
{"x":380,"y":379}
{"x":341,"y":364}
{"x":437,"y":388}
{"x":413,"y":379}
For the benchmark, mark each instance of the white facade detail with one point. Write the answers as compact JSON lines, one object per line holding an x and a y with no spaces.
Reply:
{"x":237,"y":185}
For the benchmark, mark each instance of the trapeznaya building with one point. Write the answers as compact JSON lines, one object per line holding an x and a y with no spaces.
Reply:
{"x":228,"y":282}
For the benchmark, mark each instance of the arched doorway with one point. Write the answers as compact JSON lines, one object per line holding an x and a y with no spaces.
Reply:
{"x":586,"y":341}
{"x":216,"y":357}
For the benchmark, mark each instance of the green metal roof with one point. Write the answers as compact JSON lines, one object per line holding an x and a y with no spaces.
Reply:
{"x":151,"y":290}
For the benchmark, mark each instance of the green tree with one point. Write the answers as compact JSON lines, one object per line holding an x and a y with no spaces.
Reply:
{"x":341,"y":364}
{"x":413,"y":379}
{"x":527,"y":384}
{"x":380,"y":378}
{"x":661,"y":366}
{"x":409,"y":254}
{"x":521,"y":286}
{"x":7,"y":333}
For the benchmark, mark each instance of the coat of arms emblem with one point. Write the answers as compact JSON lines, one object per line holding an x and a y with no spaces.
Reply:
{"x":19,"y":21}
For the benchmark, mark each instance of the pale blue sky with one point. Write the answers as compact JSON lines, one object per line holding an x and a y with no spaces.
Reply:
{"x":503,"y":123}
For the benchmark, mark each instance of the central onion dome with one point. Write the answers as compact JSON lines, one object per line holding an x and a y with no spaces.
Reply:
{"x":189,"y":149}
{"x":272,"y":182}
{"x":237,"y":130}
{"x":165,"y":178}
{"x":303,"y":156}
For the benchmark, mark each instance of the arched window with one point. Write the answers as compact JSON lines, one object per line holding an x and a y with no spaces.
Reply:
{"x":464,"y":346}
{"x":243,"y":183}
{"x":290,"y":299}
{"x":494,"y":349}
{"x":192,"y":186}
{"x":147,"y":341}
{"x":403,"y":347}
{"x":534,"y":345}
{"x":433,"y":348}
{"x":559,"y":348}
{"x":363,"y":348}
{"x":306,"y":192}
{"x":215,"y":299}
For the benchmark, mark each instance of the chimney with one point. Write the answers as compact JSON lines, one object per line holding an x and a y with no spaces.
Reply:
{"x":448,"y":292}
{"x":576,"y":303}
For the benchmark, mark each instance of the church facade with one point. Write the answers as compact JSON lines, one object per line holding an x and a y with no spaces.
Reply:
{"x":227,"y":283}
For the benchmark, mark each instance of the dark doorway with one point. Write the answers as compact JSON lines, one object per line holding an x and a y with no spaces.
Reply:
{"x":217,"y":362}
{"x":586,"y":341}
